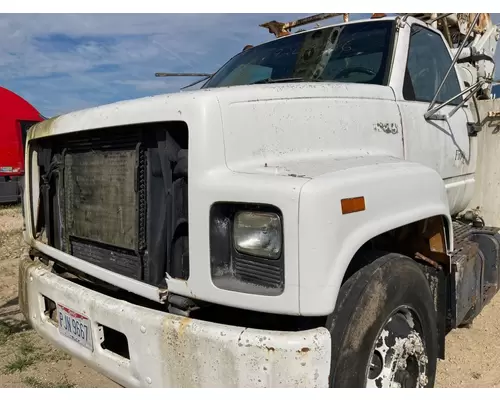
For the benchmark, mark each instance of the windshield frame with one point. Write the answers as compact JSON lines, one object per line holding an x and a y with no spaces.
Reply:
{"x":388,"y":61}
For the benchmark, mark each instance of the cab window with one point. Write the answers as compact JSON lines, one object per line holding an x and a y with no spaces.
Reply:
{"x":428,"y":62}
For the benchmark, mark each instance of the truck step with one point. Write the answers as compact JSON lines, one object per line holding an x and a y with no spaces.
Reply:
{"x":462,"y":231}
{"x":475,"y":277}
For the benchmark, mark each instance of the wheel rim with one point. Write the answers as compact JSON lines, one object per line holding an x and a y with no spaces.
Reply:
{"x":398,"y":359}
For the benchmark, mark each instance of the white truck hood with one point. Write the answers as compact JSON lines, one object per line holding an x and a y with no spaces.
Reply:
{"x":292,"y":129}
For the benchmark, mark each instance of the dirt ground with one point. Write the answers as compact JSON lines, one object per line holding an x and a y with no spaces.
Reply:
{"x":472,"y":354}
{"x":25,"y":359}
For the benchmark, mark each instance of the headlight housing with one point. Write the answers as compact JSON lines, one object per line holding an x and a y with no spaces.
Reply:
{"x":247,"y":248}
{"x":258,"y":234}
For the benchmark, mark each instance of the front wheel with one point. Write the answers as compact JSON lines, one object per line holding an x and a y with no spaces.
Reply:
{"x":384,"y":331}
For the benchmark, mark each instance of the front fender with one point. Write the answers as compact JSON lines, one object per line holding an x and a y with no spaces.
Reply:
{"x":396,"y":193}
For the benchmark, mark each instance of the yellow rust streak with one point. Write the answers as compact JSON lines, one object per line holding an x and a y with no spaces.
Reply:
{"x":184,"y":323}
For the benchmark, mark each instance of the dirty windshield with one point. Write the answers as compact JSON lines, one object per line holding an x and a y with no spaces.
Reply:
{"x":355,"y":52}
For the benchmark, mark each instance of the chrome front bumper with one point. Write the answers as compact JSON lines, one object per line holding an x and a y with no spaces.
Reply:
{"x":172,"y":351}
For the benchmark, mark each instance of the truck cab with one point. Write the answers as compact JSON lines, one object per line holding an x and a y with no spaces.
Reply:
{"x":292,"y":223}
{"x":16,"y":117}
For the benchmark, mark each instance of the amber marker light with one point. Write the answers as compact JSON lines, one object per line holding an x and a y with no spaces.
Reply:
{"x":352,"y":205}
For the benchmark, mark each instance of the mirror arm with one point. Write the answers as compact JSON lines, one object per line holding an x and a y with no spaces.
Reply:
{"x":457,"y":54}
{"x":431,"y":114}
{"x":472,"y":93}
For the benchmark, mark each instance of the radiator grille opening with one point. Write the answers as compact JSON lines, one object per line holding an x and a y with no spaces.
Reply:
{"x":100,"y":198}
{"x":119,"y":260}
{"x":117,"y":198}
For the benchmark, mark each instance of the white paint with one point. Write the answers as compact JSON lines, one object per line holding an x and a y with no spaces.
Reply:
{"x":210,"y":181}
{"x":487,"y":194}
{"x":301,"y":147}
{"x":297,"y":123}
{"x":313,"y":146}
{"x":262,"y":144}
{"x":444,"y":146}
{"x":396,"y":193}
{"x":178,"y":351}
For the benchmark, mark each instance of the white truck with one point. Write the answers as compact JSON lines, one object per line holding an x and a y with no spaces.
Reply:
{"x":319,"y":214}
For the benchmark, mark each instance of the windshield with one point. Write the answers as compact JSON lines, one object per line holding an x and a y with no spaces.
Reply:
{"x":355,"y":52}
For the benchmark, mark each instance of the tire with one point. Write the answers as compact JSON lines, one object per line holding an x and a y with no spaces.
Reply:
{"x":383,"y":329}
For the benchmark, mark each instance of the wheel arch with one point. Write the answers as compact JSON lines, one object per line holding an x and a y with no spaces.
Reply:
{"x":400,"y":199}
{"x":431,"y":253}
{"x":431,"y":242}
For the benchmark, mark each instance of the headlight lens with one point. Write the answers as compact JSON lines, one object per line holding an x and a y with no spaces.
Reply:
{"x":258,"y":234}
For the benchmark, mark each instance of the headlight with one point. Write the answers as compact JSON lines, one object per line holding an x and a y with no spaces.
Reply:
{"x":258,"y":234}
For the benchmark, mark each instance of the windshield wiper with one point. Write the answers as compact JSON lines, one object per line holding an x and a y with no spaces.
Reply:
{"x":269,"y":80}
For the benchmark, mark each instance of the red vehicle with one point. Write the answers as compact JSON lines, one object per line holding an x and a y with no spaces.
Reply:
{"x":16,"y":117}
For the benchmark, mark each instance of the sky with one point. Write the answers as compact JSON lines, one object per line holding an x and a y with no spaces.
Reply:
{"x":66,"y":62}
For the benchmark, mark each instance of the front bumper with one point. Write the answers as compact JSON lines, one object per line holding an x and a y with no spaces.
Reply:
{"x":172,"y":351}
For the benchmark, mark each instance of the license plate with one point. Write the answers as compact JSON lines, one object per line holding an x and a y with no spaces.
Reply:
{"x":74,"y":326}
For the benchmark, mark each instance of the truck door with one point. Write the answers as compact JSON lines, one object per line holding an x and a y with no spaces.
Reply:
{"x":439,"y":144}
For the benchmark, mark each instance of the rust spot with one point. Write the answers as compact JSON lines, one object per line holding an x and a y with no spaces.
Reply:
{"x":304,"y":350}
{"x":426,"y":259}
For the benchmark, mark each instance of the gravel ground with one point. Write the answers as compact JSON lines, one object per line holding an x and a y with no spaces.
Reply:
{"x":25,"y":359}
{"x":472,"y":354}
